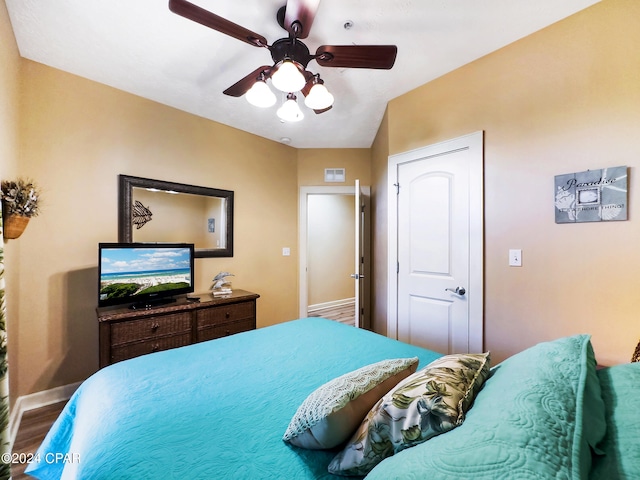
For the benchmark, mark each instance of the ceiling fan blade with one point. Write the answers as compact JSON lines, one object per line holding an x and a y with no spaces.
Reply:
{"x":211,"y":20}
{"x":357,"y":56}
{"x":318,"y":112}
{"x":301,"y":13}
{"x":307,"y":86}
{"x":241,"y":87}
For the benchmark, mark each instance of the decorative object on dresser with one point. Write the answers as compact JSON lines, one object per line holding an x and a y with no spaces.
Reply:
{"x":636,"y":354}
{"x":19,"y":204}
{"x":126,"y":333}
{"x":221,"y":286}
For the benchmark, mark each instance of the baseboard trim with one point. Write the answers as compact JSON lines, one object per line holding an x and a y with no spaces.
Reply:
{"x":37,"y":400}
{"x":334,"y":303}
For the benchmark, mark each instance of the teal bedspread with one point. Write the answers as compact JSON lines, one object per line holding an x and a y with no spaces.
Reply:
{"x":218,"y":410}
{"x":213,"y":410}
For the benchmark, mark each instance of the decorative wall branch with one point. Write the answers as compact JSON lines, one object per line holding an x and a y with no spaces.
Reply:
{"x":20,"y":202}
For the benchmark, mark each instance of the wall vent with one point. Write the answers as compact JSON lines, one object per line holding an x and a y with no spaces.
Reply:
{"x":334,"y":175}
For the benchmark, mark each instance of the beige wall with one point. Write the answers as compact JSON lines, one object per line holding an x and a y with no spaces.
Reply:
{"x":379,"y":240}
{"x":76,"y":137}
{"x":313,"y":161}
{"x":9,"y":119}
{"x":9,"y":96}
{"x":330,"y":248}
{"x":562,"y":100}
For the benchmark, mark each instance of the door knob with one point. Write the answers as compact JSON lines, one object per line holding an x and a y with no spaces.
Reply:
{"x":357,"y":276}
{"x":458,"y":290}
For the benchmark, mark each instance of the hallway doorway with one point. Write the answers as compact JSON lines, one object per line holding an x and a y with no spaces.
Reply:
{"x":327,"y":255}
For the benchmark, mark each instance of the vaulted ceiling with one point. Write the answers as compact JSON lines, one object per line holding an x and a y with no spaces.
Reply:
{"x":140,"y":47}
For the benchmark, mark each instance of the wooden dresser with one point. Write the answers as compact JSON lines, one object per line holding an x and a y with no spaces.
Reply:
{"x":126,"y":333}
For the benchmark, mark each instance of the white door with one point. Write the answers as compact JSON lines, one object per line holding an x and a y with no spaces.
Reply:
{"x":438,"y":245}
{"x":361,"y":278}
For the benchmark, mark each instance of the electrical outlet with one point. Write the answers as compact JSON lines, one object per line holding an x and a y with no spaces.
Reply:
{"x":515,"y":258}
{"x":286,"y":251}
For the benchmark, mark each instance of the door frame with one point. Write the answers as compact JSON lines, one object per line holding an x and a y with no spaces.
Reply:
{"x":302,"y":240}
{"x":473,"y":142}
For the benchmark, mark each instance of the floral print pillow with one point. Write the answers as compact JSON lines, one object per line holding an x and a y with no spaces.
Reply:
{"x":431,"y":401}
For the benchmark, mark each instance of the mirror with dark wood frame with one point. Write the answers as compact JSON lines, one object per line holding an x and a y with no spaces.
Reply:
{"x":158,"y":211}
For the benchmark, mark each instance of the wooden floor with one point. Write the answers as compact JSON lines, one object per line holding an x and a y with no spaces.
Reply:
{"x":33,"y":427}
{"x":342,"y":313}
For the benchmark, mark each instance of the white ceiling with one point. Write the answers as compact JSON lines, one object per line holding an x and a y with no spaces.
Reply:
{"x":140,"y":47}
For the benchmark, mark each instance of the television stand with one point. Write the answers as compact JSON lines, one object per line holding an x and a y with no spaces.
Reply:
{"x":148,"y":304}
{"x":126,"y":333}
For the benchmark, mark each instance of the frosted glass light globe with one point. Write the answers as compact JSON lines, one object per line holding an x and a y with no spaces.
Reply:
{"x":288,"y":78}
{"x":319,"y":98}
{"x":260,"y":95}
{"x":290,"y":111}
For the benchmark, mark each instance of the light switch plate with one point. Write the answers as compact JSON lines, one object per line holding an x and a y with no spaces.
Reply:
{"x":286,"y":251}
{"x":515,"y":257}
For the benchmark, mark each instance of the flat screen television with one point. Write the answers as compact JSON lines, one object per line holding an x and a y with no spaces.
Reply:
{"x":144,"y":275}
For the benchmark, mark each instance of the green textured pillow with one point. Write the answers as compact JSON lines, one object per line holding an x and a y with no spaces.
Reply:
{"x":330,"y":415}
{"x":538,"y":416}
{"x":621,"y":443}
{"x":429,"y":402}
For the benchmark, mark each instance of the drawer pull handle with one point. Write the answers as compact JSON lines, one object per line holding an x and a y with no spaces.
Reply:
{"x":155,"y":326}
{"x":228,"y":314}
{"x":228,"y":332}
{"x":155,"y":348}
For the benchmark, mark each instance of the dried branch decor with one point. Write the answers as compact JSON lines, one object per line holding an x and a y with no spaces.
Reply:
{"x":20,"y":197}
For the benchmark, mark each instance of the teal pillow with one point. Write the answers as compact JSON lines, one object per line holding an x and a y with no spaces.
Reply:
{"x":620,"y":454}
{"x":538,"y":416}
{"x":429,"y":402}
{"x":330,"y":414}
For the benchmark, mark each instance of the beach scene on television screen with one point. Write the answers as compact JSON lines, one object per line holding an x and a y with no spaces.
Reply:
{"x":140,"y":271}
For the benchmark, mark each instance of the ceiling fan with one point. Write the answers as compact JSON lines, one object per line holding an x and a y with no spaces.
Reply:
{"x":291,"y":57}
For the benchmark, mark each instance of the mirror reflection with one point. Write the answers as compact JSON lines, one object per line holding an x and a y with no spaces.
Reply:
{"x":157,"y":211}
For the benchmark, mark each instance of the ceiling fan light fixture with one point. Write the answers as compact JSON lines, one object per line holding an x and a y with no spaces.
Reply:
{"x":319,"y":97}
{"x":288,"y":77}
{"x":260,"y":95}
{"x":290,"y":111}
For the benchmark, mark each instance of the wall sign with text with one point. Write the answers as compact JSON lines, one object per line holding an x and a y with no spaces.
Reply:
{"x":591,"y":196}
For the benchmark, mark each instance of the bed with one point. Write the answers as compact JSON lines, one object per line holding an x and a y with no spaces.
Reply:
{"x":220,"y":409}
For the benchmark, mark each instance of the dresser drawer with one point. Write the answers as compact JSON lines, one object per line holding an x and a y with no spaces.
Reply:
{"x":149,"y":328}
{"x":124,"y":352}
{"x":125,"y":333}
{"x":225,"y":314}
{"x":225,"y":329}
